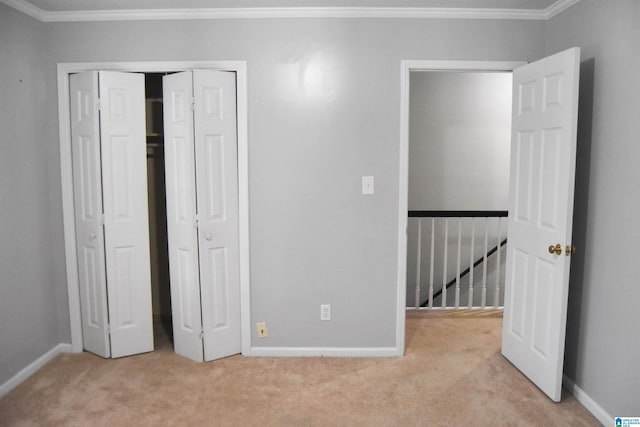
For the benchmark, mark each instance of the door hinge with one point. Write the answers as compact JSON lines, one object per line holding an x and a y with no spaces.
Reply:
{"x":99,"y":104}
{"x":201,"y":335}
{"x":101,"y":219}
{"x":197,"y":222}
{"x":193,"y":104}
{"x":107,"y":329}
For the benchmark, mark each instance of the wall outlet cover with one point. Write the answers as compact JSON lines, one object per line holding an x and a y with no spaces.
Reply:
{"x":262,"y":329}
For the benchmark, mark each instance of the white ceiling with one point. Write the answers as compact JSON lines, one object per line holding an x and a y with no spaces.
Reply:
{"x":104,"y":10}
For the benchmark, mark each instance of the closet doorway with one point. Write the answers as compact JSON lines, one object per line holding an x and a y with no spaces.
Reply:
{"x":157,"y":195}
{"x":154,"y":152}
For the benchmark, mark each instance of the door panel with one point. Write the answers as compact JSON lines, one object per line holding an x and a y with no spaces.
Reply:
{"x":217,"y":203}
{"x":87,"y":182}
{"x":181,"y":215}
{"x":123,"y":136}
{"x":540,"y":215}
{"x":217,"y":262}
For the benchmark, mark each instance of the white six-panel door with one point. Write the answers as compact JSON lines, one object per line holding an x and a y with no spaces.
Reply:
{"x":217,"y":198}
{"x":126,"y":213}
{"x":110,"y":174}
{"x":545,"y":96}
{"x":180,"y":177}
{"x":202,"y":212}
{"x":87,"y":196}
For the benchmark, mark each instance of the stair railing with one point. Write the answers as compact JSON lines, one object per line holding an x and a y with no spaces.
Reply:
{"x":439,"y":227}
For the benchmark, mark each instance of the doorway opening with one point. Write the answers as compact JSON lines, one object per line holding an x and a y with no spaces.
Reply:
{"x":407,"y":68}
{"x":459,"y":152}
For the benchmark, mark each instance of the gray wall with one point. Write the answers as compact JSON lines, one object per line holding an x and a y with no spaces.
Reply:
{"x":602,"y":345}
{"x":459,"y":139}
{"x":314,"y":238}
{"x":33,"y":308}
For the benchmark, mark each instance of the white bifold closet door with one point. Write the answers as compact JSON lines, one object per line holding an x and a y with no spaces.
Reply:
{"x":110,"y":197}
{"x":202,"y":212}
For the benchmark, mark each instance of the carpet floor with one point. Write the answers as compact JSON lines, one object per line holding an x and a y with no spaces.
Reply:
{"x":452,"y":374}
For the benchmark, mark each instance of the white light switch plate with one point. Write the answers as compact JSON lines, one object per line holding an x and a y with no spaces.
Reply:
{"x":325,"y":311}
{"x":367,"y":185}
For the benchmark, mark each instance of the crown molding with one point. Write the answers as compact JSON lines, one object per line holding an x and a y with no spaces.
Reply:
{"x":292,"y":12}
{"x":26,"y":8}
{"x":287,"y":12}
{"x":558,"y":7}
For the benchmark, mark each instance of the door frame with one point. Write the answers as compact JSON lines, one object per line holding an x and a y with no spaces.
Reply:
{"x":406,"y":67}
{"x":68,"y":211}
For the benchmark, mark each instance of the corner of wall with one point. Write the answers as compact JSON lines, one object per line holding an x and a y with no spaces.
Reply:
{"x":32,"y":368}
{"x":586,"y":401}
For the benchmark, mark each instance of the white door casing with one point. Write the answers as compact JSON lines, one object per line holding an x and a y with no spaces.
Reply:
{"x":202,"y":212}
{"x":544,"y":129}
{"x":181,"y":214}
{"x":87,"y":183}
{"x":217,"y":199}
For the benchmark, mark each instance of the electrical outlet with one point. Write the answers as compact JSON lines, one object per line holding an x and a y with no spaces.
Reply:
{"x":325,"y":311}
{"x":262,"y":329}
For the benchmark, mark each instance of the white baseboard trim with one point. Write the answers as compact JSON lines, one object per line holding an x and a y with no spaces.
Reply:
{"x":586,"y":401}
{"x":323,"y":352}
{"x":33,"y":367}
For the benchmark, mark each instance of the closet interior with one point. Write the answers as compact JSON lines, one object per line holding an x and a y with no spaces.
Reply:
{"x":160,"y":286}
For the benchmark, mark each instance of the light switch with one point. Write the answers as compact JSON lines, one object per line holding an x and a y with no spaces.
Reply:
{"x":367,"y":185}
{"x":325,"y":311}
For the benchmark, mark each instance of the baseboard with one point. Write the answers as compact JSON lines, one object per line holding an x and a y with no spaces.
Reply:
{"x":32,"y":368}
{"x":324,"y":352}
{"x":586,"y":401}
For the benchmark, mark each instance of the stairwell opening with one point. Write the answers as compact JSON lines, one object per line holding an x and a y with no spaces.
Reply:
{"x":458,"y":187}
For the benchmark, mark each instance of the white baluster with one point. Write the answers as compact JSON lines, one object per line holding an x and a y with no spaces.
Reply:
{"x":443,"y":295}
{"x":433,"y":232}
{"x":418,"y":266}
{"x":483,"y":302}
{"x":457,"y":299}
{"x":472,"y":260}
{"x":496,"y":296}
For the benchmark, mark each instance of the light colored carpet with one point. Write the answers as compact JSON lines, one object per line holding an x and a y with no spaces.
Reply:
{"x":452,"y":374}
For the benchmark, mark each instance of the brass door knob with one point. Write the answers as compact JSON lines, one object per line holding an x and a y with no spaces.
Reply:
{"x":557,"y":249}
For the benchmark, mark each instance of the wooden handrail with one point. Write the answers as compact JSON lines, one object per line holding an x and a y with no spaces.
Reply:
{"x":457,"y":214}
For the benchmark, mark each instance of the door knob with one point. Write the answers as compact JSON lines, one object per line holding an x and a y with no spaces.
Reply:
{"x":557,"y":249}
{"x":92,"y":235}
{"x":208,"y":235}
